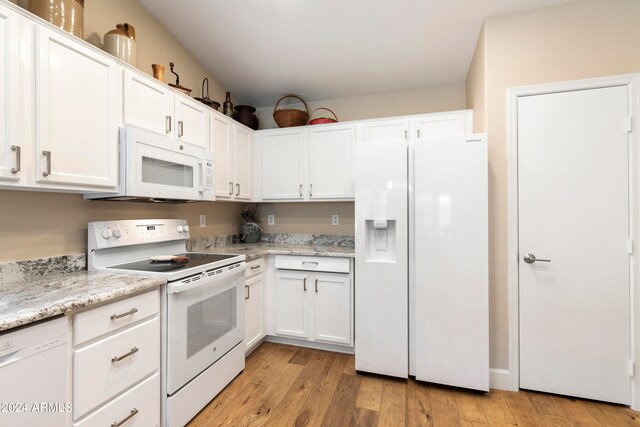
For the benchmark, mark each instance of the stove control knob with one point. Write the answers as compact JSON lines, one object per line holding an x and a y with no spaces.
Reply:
{"x":117,"y":234}
{"x":186,"y":228}
{"x":180,"y":229}
{"x":107,"y":233}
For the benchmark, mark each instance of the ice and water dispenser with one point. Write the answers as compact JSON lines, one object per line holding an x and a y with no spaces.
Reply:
{"x":380,"y":240}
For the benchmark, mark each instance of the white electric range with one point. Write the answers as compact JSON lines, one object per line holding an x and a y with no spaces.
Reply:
{"x":202,"y":309}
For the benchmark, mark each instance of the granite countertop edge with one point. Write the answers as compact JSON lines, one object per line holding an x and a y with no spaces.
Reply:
{"x":259,"y":250}
{"x":34,"y":300}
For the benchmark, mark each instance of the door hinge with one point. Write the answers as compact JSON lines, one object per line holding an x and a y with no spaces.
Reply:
{"x":629,"y":246}
{"x":629,"y":121}
{"x":632,"y":369}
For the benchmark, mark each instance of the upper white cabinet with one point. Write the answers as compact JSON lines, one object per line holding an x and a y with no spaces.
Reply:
{"x":330,"y":162}
{"x":60,"y":111}
{"x":307,"y":163}
{"x":78,"y":108}
{"x":232,"y":146}
{"x":443,"y":124}
{"x":10,"y":144}
{"x":154,"y":106}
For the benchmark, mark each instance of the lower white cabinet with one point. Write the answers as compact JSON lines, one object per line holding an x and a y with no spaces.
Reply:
{"x":254,"y":310}
{"x":116,"y":370}
{"x":314,"y":304}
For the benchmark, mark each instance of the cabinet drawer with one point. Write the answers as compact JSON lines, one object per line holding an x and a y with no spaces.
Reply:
{"x":98,"y":376}
{"x":111,"y":317}
{"x":254,"y":267}
{"x":312,"y":263}
{"x":143,"y":401}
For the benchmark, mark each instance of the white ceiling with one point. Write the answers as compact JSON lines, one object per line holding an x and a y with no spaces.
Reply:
{"x":261,"y":49}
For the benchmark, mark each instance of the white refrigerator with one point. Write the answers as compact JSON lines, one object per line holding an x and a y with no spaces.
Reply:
{"x":421,"y":290}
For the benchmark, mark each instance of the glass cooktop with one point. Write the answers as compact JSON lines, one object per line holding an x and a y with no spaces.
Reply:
{"x":195,"y":260}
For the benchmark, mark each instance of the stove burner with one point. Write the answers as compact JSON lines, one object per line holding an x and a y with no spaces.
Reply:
{"x":195,"y":259}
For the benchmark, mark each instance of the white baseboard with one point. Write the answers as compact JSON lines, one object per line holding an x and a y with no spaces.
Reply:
{"x":499,"y":379}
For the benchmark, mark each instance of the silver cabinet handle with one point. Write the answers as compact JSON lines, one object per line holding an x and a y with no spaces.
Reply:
{"x":310,"y":190}
{"x":248,"y":292}
{"x":255,"y":267}
{"x":304,"y":284}
{"x":300,"y":190}
{"x":47,"y":156}
{"x":128,"y":313}
{"x":230,"y":188}
{"x":316,"y":286}
{"x":17,"y":149}
{"x":310,"y":262}
{"x":167,"y":124}
{"x":530,"y":258}
{"x":237,"y":189}
{"x":180,"y":128}
{"x":115,"y":359}
{"x":125,"y":419}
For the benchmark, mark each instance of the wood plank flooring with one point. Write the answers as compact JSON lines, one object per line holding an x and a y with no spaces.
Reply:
{"x":291,"y":386}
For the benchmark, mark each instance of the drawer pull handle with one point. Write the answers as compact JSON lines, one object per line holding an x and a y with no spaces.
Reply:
{"x":115,"y":359}
{"x":255,"y":267}
{"x":248,"y":292}
{"x":128,"y":313}
{"x":17,"y":149}
{"x":133,"y":412}
{"x":310,"y":262}
{"x":316,"y":286}
{"x":230,"y":188}
{"x":168,"y":124}
{"x":180,"y":128}
{"x":304,"y":284}
{"x":47,"y":156}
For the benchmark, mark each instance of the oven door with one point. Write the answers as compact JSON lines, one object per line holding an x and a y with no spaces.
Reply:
{"x":205,"y":319}
{"x":160,"y":167}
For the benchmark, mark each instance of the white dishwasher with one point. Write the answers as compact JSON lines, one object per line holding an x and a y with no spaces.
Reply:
{"x":33,"y":375}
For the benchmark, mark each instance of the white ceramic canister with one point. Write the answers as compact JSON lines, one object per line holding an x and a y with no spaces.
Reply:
{"x":121,"y":43}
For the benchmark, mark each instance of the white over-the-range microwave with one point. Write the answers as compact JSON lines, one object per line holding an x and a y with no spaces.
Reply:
{"x":156,"y":168}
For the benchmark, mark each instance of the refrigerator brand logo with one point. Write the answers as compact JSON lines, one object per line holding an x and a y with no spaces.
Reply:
{"x":474,"y":140}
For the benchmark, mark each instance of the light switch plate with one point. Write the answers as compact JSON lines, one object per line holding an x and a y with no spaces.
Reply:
{"x":203,"y":220}
{"x":271,"y":219}
{"x":335,"y":220}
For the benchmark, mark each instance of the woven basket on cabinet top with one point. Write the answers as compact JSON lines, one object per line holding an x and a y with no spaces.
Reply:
{"x":289,"y":117}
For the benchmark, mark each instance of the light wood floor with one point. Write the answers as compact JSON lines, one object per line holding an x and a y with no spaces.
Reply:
{"x":291,"y":386}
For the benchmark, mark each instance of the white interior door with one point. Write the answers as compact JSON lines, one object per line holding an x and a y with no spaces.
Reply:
{"x":573,"y":167}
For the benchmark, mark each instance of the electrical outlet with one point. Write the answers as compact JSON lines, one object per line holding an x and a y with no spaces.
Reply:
{"x":335,"y":220}
{"x":271,"y":219}
{"x":203,"y":220}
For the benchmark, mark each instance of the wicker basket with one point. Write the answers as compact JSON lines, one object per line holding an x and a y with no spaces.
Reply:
{"x":289,"y":117}
{"x":323,"y":120}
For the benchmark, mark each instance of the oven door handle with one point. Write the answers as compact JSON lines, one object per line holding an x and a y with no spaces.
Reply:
{"x":177,"y":287}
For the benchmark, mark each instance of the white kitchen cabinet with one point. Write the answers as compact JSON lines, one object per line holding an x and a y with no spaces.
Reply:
{"x":314,"y":299}
{"x":254,"y":305}
{"x":443,"y":124}
{"x":386,"y":130}
{"x":117,"y":346}
{"x":292,"y":307}
{"x":232,"y":146}
{"x":10,"y":143}
{"x":154,"y":106}
{"x":332,"y":307}
{"x":78,"y":111}
{"x":281,"y":164}
{"x":330,"y":162}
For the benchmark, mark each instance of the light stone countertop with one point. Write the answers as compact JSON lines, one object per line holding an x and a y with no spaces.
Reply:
{"x":27,"y":301}
{"x":257,"y":250}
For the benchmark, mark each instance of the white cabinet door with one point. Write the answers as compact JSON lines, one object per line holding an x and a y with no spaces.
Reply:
{"x":331,"y":162}
{"x":223,"y":154}
{"x":78,"y":110}
{"x":281,"y":160}
{"x":332,"y":308}
{"x":243,"y":164}
{"x":147,"y":104}
{"x":10,"y":145}
{"x":386,"y":130}
{"x":292,"y":317}
{"x":457,"y":123}
{"x":253,"y":314}
{"x":192,"y":122}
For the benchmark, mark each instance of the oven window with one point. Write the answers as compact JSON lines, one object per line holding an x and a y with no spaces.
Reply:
{"x":157,"y":171}
{"x":210,"y":319}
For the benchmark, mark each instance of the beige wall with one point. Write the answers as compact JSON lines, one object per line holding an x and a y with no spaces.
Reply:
{"x":308,"y":218}
{"x":385,"y":104}
{"x":475,"y":86}
{"x":583,"y":39}
{"x":155,"y":44}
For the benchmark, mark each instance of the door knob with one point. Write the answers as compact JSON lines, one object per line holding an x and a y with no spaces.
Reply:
{"x":530,"y":258}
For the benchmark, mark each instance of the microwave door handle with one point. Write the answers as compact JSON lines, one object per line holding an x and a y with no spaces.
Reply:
{"x":202,"y":187}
